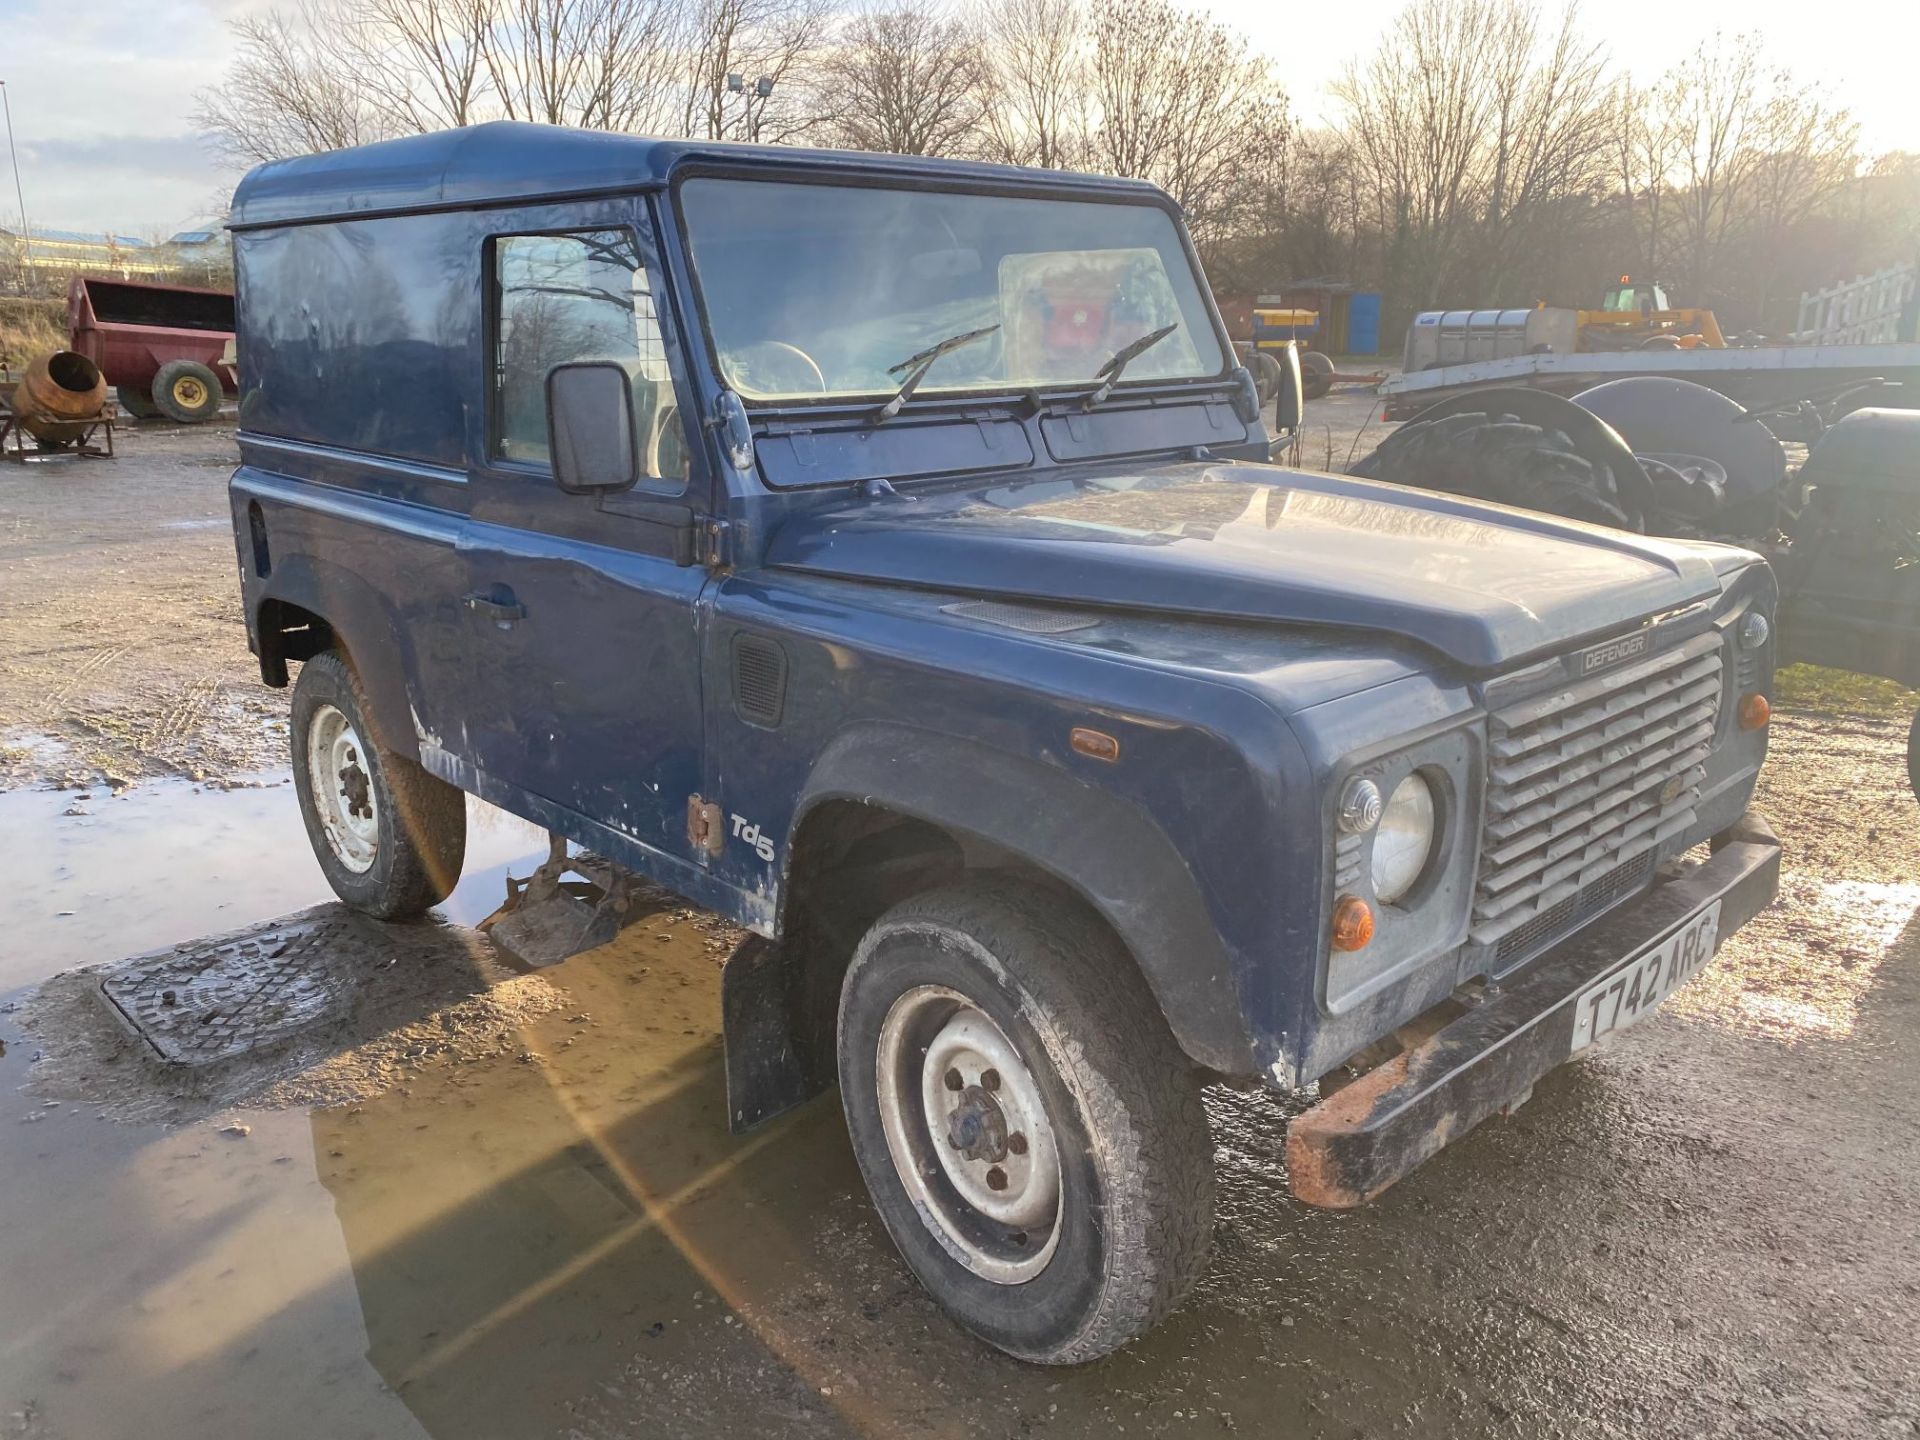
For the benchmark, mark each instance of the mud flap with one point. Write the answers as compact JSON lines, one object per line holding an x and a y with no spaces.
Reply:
{"x":767,"y":1072}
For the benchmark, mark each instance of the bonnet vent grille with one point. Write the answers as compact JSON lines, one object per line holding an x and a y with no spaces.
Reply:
{"x":759,"y":680}
{"x":1034,"y":619}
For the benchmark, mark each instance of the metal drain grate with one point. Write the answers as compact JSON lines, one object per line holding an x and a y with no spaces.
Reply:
{"x":215,"y":999}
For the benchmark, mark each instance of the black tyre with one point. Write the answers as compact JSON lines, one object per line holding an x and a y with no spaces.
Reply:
{"x":187,"y":391}
{"x":1499,"y":458}
{"x":1316,"y":374}
{"x":136,"y":402}
{"x":1913,"y":753}
{"x":1266,"y":376}
{"x":390,"y":837}
{"x":1031,"y":1134}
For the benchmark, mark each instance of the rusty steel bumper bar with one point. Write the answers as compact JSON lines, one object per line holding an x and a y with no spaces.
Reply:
{"x":1354,"y":1144}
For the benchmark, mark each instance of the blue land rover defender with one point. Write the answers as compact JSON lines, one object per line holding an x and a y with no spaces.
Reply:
{"x":883,"y":553}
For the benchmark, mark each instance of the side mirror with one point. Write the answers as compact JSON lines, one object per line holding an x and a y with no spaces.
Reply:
{"x":736,"y":430}
{"x":590,"y":431}
{"x":1289,"y":401}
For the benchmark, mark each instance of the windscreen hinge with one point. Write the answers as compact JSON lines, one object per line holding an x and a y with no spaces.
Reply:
{"x":719,"y":543}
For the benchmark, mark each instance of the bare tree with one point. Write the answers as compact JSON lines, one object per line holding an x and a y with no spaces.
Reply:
{"x":1645,"y":145}
{"x":1713,"y":103}
{"x":602,"y":64}
{"x":420,"y":63}
{"x":1486,"y":138}
{"x":773,"y":40}
{"x":910,"y":80}
{"x":1416,"y":114}
{"x":286,"y":93}
{"x":1186,"y":103}
{"x":1036,"y":107}
{"x":1551,"y":117}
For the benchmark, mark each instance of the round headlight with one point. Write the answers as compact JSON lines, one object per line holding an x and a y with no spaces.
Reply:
{"x":1404,"y":840}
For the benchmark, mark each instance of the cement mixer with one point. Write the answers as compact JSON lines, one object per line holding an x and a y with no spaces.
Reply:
{"x":60,"y":401}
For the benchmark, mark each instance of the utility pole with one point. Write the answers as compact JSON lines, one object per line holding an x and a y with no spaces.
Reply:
{"x":26,"y":230}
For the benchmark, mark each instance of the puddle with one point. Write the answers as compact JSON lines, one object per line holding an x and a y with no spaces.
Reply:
{"x":1802,"y":968}
{"x":167,"y":861}
{"x":553,"y":1234}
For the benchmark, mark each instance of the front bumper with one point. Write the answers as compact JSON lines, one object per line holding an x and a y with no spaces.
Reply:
{"x":1361,"y":1139}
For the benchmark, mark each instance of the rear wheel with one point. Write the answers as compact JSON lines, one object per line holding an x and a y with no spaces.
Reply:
{"x":389,"y":837}
{"x":1267,"y":375}
{"x":187,"y":391}
{"x":136,"y":401}
{"x":1316,"y":374}
{"x":1031,"y":1134}
{"x":1496,"y":457}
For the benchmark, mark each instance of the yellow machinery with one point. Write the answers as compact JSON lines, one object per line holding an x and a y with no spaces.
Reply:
{"x":1638,"y":317}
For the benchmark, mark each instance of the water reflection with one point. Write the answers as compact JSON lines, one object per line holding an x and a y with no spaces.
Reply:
{"x":169,"y":860}
{"x":554,"y":1235}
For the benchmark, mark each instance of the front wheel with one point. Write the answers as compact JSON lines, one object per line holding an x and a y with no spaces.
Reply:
{"x":389,"y":837}
{"x":1031,"y":1134}
{"x":1913,"y":753}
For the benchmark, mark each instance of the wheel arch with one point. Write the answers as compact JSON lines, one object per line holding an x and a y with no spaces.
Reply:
{"x":943,"y":804}
{"x":308,"y":606}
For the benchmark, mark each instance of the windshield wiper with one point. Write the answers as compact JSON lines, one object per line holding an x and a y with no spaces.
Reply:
{"x":1109,"y":374}
{"x":917,"y":366}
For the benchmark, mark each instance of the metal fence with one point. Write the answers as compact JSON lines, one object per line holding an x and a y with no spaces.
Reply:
{"x":1863,"y":311}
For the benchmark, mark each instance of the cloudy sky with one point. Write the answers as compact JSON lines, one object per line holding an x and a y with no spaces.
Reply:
{"x":100,"y":89}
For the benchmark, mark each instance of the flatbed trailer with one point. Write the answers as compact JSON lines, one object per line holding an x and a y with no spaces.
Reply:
{"x":1754,"y":377}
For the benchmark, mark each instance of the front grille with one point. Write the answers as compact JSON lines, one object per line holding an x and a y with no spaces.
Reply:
{"x":1587,"y":777}
{"x":1549,"y":925}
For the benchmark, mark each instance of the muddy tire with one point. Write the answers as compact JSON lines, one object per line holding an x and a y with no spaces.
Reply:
{"x":187,"y":391}
{"x":1058,"y":1200}
{"x":1267,"y":376}
{"x":1316,"y":374}
{"x":390,"y":837}
{"x":136,"y":402}
{"x":1496,"y":457}
{"x":1913,"y":754}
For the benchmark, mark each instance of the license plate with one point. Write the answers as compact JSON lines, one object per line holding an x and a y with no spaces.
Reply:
{"x":1609,"y":1006}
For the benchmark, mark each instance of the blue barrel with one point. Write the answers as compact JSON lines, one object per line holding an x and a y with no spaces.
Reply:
{"x":1363,"y":323}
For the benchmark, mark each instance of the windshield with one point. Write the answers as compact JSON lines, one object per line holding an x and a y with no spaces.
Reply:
{"x":825,"y":290}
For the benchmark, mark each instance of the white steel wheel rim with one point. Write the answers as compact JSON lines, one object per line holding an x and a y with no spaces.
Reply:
{"x":342,"y":787}
{"x":979,"y":1160}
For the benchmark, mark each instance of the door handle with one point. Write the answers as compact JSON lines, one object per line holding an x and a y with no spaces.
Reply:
{"x":502,"y":612}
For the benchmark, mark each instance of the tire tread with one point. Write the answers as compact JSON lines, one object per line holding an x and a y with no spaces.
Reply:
{"x":1135,"y":1085}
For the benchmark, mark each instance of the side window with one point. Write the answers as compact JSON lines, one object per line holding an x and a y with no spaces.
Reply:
{"x":581,"y":296}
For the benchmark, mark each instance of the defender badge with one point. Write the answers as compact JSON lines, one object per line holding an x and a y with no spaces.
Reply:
{"x":1612,"y":652}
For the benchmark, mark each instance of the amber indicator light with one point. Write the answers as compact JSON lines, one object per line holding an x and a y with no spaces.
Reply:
{"x":1095,"y":744}
{"x":1754,"y":711}
{"x":1352,"y":923}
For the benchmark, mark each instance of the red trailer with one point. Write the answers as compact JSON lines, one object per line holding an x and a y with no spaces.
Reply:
{"x":162,"y":347}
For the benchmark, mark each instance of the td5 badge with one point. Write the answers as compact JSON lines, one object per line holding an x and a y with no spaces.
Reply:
{"x":762,"y":844}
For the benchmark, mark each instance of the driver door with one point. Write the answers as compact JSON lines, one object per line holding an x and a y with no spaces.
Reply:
{"x":581,"y":607}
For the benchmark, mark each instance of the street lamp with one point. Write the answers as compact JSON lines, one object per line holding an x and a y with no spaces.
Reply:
{"x":13,"y":157}
{"x":760,"y":90}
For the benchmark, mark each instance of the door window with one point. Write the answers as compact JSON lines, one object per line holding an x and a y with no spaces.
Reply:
{"x":579,"y":296}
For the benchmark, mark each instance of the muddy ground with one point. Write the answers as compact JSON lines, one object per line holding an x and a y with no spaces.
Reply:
{"x":507,"y":1205}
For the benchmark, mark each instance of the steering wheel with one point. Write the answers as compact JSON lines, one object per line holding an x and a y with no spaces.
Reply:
{"x":784,"y":367}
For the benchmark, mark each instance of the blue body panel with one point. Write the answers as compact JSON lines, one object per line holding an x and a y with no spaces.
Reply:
{"x":1244,"y":633}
